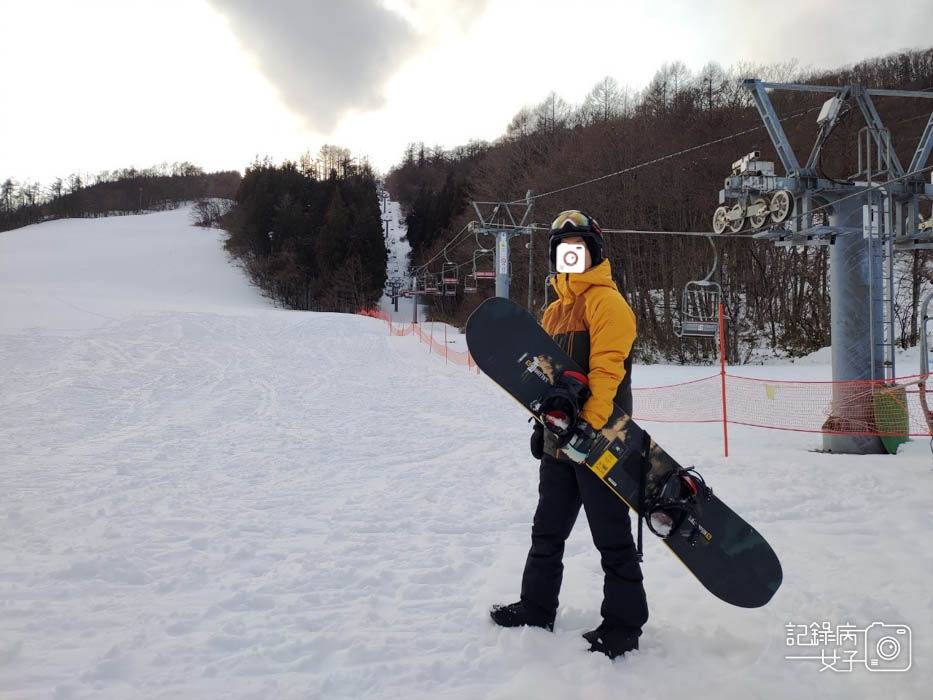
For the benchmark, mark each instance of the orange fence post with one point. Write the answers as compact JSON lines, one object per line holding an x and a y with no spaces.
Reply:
{"x":722,"y":373}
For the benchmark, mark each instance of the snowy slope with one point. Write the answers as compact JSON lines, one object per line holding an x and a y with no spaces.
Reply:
{"x":399,"y":260}
{"x":206,"y":497}
{"x":78,"y":273}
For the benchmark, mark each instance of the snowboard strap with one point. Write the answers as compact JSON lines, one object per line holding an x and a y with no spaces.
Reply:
{"x":642,"y":477}
{"x":560,"y":407}
{"x":675,"y":503}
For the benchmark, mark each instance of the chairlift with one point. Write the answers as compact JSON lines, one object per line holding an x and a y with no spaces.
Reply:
{"x":469,"y":284}
{"x":485,"y":274}
{"x":449,"y":278}
{"x":699,"y":312}
{"x":699,"y":309}
{"x":547,"y":288}
{"x":430,"y":284}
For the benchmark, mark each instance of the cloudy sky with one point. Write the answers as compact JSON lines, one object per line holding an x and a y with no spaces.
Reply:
{"x":106,"y":84}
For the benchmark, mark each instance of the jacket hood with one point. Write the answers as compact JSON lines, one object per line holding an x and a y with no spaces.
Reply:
{"x":570,"y":285}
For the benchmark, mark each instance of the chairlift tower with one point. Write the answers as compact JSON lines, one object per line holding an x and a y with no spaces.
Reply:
{"x":862,"y":220}
{"x":500,"y":221}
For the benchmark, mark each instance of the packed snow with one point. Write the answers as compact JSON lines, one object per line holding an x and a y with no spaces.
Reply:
{"x":203,"y":496}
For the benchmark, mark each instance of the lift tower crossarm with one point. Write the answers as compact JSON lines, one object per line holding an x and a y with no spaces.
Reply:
{"x":899,"y":93}
{"x":486,"y":221}
{"x":876,"y":126}
{"x":773,"y":125}
{"x":794,"y":86}
{"x":923,"y":148}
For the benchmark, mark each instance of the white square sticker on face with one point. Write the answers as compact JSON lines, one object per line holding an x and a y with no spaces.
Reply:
{"x":571,"y":257}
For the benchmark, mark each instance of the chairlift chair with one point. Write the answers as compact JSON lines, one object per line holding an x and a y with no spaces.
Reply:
{"x":699,"y":308}
{"x":469,"y":284}
{"x":430,"y":284}
{"x":485,"y":274}
{"x":699,"y":311}
{"x":449,"y":278}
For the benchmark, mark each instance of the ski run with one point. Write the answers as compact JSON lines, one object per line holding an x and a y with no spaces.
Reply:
{"x":204,"y":496}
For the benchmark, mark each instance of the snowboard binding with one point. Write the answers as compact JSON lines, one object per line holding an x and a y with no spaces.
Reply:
{"x":560,"y":408}
{"x":674,"y":503}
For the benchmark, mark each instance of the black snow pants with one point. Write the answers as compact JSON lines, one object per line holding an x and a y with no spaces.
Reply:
{"x":562,"y":488}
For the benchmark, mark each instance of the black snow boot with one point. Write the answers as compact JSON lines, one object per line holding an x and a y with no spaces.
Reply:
{"x":519,"y":614}
{"x":611,"y":641}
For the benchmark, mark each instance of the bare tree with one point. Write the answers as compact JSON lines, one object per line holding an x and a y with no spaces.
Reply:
{"x":604,"y":101}
{"x":306,"y":164}
{"x":712,"y":83}
{"x":6,"y":194}
{"x":26,"y":194}
{"x":522,"y":124}
{"x":552,"y":114}
{"x":679,"y":76}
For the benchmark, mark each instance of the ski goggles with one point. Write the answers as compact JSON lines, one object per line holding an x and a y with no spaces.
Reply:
{"x":576,"y":219}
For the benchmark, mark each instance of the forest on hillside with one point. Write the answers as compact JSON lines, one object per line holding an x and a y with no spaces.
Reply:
{"x":122,"y":191}
{"x":776,"y":297}
{"x":310,"y":233}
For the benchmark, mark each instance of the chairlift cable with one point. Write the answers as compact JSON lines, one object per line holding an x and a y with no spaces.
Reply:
{"x":660,"y":159}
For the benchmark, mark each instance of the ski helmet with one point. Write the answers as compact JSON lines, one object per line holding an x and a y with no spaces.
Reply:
{"x":575,"y":223}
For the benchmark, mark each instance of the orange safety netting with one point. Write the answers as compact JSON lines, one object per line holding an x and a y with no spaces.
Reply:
{"x":883,"y":408}
{"x":439,"y":349}
{"x":851,"y":408}
{"x":698,"y":401}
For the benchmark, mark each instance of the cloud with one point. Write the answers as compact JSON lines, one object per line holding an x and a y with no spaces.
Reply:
{"x":325,"y":57}
{"x":821,"y":34}
{"x":435,"y":18}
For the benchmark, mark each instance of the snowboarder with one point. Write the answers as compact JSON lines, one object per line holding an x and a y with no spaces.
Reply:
{"x":594,"y":324}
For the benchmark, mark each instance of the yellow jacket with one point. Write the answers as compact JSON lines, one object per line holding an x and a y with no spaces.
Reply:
{"x":593,"y":324}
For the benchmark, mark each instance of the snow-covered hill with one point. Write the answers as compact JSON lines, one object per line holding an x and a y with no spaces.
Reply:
{"x":84,"y":273}
{"x":397,"y":268}
{"x":202,"y":496}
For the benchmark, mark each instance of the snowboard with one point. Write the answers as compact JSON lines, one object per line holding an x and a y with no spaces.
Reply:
{"x":726,"y":554}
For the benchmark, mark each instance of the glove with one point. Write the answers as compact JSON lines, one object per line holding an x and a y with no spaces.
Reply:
{"x":580,"y":442}
{"x":537,"y":441}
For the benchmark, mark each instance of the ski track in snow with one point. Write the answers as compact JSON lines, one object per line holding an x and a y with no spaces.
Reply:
{"x":208,"y":503}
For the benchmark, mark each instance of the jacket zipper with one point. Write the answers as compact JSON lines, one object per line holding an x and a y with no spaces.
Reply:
{"x":573,"y":303}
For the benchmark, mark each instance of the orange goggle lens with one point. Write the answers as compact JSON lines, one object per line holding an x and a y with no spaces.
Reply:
{"x":573,"y":216}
